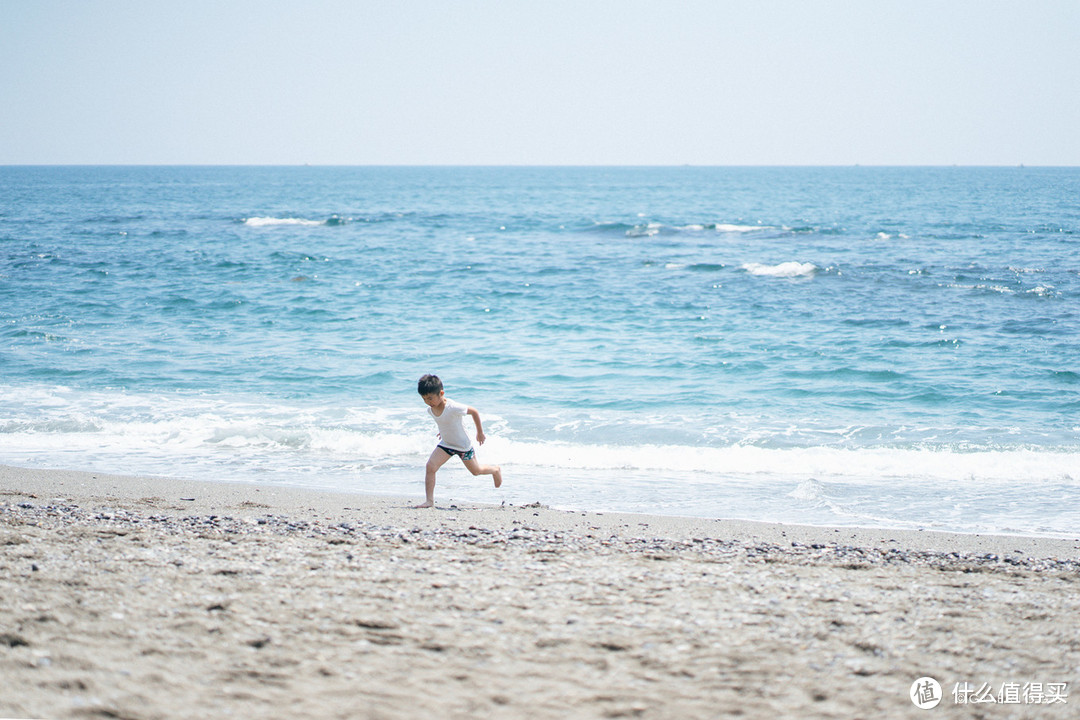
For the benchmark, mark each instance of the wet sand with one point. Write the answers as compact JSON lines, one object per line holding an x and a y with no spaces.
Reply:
{"x":156,"y":598}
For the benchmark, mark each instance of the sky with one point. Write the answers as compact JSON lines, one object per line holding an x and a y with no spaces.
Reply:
{"x":540,"y":82}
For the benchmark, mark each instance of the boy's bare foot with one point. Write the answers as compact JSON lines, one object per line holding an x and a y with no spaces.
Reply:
{"x":498,"y":477}
{"x":428,"y":504}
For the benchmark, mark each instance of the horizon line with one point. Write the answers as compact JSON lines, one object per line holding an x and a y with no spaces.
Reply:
{"x":532,"y":165}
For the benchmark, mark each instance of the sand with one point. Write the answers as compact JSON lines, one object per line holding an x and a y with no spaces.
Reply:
{"x":155,"y":598}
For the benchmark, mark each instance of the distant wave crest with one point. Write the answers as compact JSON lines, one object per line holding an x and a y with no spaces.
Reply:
{"x":790,"y":269}
{"x":650,"y":229}
{"x":726,"y":228}
{"x":276,"y":221}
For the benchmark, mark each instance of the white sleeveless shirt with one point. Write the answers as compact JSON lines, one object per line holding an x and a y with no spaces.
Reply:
{"x":451,"y":426}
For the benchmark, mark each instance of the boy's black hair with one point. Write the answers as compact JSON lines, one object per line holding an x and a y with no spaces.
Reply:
{"x":429,"y":385}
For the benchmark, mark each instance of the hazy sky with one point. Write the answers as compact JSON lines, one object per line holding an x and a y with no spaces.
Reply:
{"x":584,"y":82}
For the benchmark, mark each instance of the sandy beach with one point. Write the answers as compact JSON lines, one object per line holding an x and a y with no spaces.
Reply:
{"x":154,"y":598}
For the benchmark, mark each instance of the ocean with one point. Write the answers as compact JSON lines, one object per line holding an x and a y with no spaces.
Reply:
{"x":879,"y":347}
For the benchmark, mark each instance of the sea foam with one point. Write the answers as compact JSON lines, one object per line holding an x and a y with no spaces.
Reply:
{"x":382,"y":450}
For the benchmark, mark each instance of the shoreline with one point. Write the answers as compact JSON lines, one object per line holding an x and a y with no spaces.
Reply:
{"x":206,"y":496}
{"x":158,"y":598}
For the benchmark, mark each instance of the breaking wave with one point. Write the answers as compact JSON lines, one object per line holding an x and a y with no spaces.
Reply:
{"x":783,"y":270}
{"x":651,"y":229}
{"x":302,"y":222}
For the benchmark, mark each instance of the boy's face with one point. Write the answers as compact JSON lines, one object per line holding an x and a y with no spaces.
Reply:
{"x":434,"y":400}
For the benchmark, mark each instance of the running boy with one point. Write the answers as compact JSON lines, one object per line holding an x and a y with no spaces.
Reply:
{"x":453,"y":438}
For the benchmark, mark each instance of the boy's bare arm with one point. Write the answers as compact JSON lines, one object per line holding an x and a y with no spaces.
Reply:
{"x":480,"y":437}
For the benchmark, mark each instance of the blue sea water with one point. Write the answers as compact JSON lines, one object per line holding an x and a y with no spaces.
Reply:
{"x":887,"y":347}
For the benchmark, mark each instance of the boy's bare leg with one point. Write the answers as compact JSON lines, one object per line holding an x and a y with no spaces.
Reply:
{"x":476,"y":468}
{"x":437,"y":460}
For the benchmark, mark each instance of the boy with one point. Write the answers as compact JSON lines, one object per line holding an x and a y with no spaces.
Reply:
{"x":454,"y":440}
